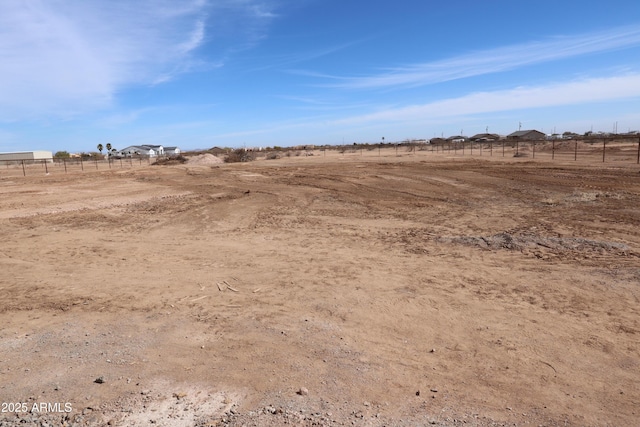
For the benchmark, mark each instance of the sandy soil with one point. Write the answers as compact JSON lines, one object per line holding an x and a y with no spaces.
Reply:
{"x":338,"y":290}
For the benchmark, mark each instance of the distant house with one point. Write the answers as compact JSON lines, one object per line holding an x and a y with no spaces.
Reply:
{"x":481,"y":137}
{"x":172,"y":151}
{"x":570,"y":135}
{"x":527,"y":135}
{"x":457,"y":138}
{"x":158,"y":149}
{"x":142,"y":150}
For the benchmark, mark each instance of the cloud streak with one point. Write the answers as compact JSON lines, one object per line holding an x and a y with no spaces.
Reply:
{"x":560,"y":94}
{"x":492,"y":60}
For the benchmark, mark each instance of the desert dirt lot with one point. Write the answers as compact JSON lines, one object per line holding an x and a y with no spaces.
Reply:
{"x":339,"y":290}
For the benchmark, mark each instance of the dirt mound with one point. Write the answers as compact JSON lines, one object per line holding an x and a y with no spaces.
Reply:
{"x":204,"y":160}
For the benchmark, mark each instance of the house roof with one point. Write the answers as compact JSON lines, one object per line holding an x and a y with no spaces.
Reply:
{"x":485,"y":136}
{"x":137,"y":147}
{"x":524,"y":133}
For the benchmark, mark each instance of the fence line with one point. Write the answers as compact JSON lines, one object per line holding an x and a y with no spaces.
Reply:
{"x":55,"y":166}
{"x":622,"y":150}
{"x":601,"y":150}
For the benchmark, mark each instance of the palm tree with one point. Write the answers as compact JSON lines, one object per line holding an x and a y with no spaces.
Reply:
{"x":108,"y":146}
{"x":100,"y":148}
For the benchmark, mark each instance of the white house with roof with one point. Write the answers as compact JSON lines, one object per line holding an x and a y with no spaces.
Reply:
{"x":172,"y":151}
{"x":144,"y":150}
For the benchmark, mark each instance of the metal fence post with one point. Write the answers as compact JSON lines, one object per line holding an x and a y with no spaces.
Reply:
{"x":533,"y":144}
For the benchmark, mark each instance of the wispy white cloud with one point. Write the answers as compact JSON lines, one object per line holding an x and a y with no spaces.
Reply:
{"x":195,"y":39}
{"x":568,"y":93}
{"x":60,"y":58}
{"x":298,"y":57}
{"x":491,"y":60}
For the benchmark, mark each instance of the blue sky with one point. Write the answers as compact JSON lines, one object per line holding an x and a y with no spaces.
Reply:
{"x":203,"y":73}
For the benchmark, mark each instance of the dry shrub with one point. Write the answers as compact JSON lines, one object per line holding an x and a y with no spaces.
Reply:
{"x":167,"y":161}
{"x":239,"y":155}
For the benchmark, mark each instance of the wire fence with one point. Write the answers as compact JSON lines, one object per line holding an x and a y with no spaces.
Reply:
{"x":70,"y":165}
{"x":616,"y":149}
{"x":600,"y":150}
{"x":593,"y":150}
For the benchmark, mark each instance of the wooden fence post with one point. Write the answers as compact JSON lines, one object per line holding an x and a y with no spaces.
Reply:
{"x":604,"y":148}
{"x":24,"y":172}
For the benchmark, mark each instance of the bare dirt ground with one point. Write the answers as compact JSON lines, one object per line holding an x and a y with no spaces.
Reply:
{"x":338,"y":290}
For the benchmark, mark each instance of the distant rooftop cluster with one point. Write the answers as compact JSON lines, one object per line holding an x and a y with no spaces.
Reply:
{"x":146,"y":151}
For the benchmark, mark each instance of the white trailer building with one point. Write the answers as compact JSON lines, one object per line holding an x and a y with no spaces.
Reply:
{"x":27,"y":156}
